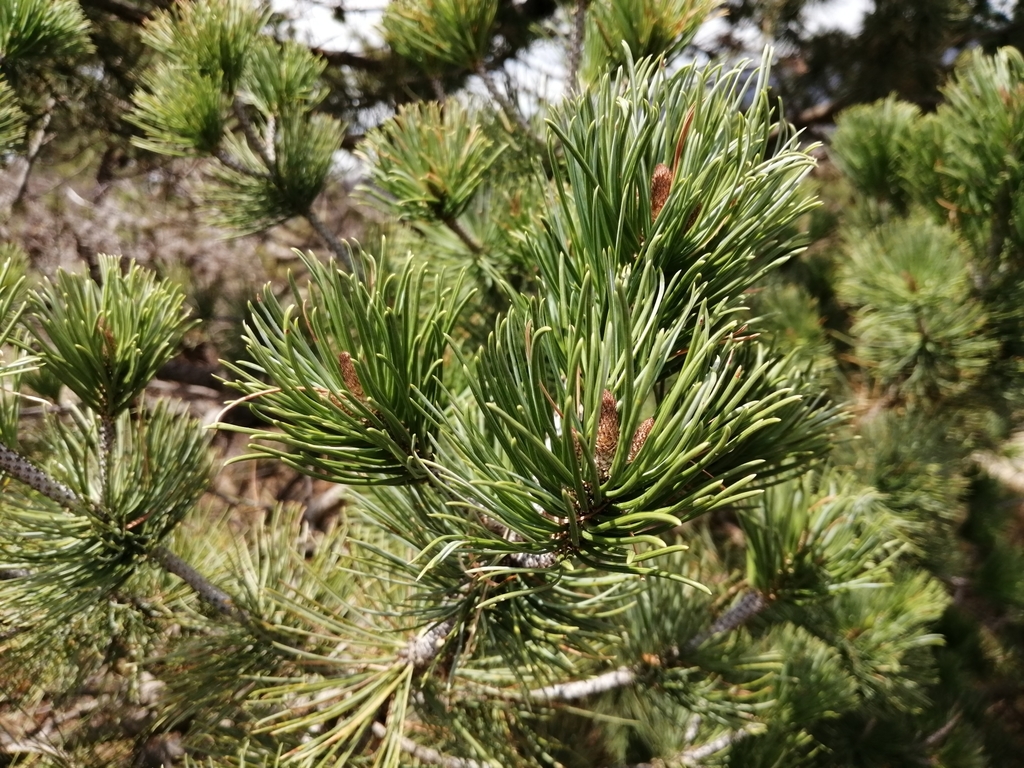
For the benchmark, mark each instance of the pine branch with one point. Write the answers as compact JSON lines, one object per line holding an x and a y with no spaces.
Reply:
{"x":438,"y":87}
{"x":238,"y":167}
{"x":748,"y":606}
{"x":118,"y":8}
{"x":23,"y":470}
{"x":940,"y":735}
{"x":107,"y":434}
{"x":537,"y":562}
{"x":694,"y":755}
{"x":21,"y":168}
{"x":426,"y":754}
{"x":214,"y":596}
{"x":375,"y":62}
{"x":464,"y":236}
{"x":505,"y":103}
{"x":423,"y":649}
{"x":253,"y":140}
{"x":333,"y":243}
{"x":581,"y":689}
{"x":264,"y":152}
{"x":579,"y":28}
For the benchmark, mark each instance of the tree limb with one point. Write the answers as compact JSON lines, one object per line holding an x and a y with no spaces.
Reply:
{"x":333,"y":243}
{"x":23,"y":470}
{"x":581,"y":689}
{"x":579,"y":28}
{"x":366,"y":63}
{"x":468,"y":240}
{"x":507,"y":106}
{"x":426,"y":754}
{"x":694,"y":755}
{"x":748,"y":606}
{"x":214,"y":596}
{"x":21,"y":168}
{"x":423,"y":649}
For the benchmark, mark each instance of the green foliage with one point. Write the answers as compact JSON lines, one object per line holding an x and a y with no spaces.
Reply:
{"x":735,"y":196}
{"x":812,"y":537}
{"x":76,"y":556}
{"x":355,"y":369}
{"x":12,"y":119}
{"x":869,"y":146}
{"x":209,"y":39}
{"x":887,"y":631}
{"x":715,"y":430}
{"x":12,"y":300}
{"x":592,"y":537}
{"x":982,"y":165}
{"x":435,"y":34}
{"x":963,"y":163}
{"x":252,"y":200}
{"x":918,"y":459}
{"x":180,"y":113}
{"x":918,"y":328}
{"x":275,"y":157}
{"x":105,"y":342}
{"x":790,"y":320}
{"x":34,"y":31}
{"x":282,"y":79}
{"x":429,"y":160}
{"x":646,"y":29}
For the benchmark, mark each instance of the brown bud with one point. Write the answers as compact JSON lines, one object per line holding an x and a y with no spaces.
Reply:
{"x":350,"y":377}
{"x":640,"y":437}
{"x":607,"y":433}
{"x":661,"y":185}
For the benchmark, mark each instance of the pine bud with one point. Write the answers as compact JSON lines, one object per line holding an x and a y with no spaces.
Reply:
{"x":350,"y":377}
{"x":607,"y":434}
{"x":661,"y":185}
{"x":640,"y":437}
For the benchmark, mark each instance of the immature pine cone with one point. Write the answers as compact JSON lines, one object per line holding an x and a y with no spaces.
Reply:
{"x":350,"y":377}
{"x":661,"y":185}
{"x":640,"y":437}
{"x":607,"y":434}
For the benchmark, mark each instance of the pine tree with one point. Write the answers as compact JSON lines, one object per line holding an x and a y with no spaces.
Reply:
{"x":600,"y":511}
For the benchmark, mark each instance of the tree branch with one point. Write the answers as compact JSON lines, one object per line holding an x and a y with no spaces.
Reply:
{"x":469,"y":241}
{"x":579,"y":28}
{"x":748,"y":606}
{"x":21,"y":168}
{"x":255,"y":144}
{"x":23,"y":470}
{"x":581,"y":689}
{"x":238,"y":167}
{"x":423,"y":649}
{"x":367,"y":63}
{"x":214,"y":596}
{"x":333,"y":243}
{"x":507,"y":106}
{"x":694,"y":755}
{"x":426,"y":754}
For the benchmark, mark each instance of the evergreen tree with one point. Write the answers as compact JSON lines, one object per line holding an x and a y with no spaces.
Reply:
{"x":600,"y":508}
